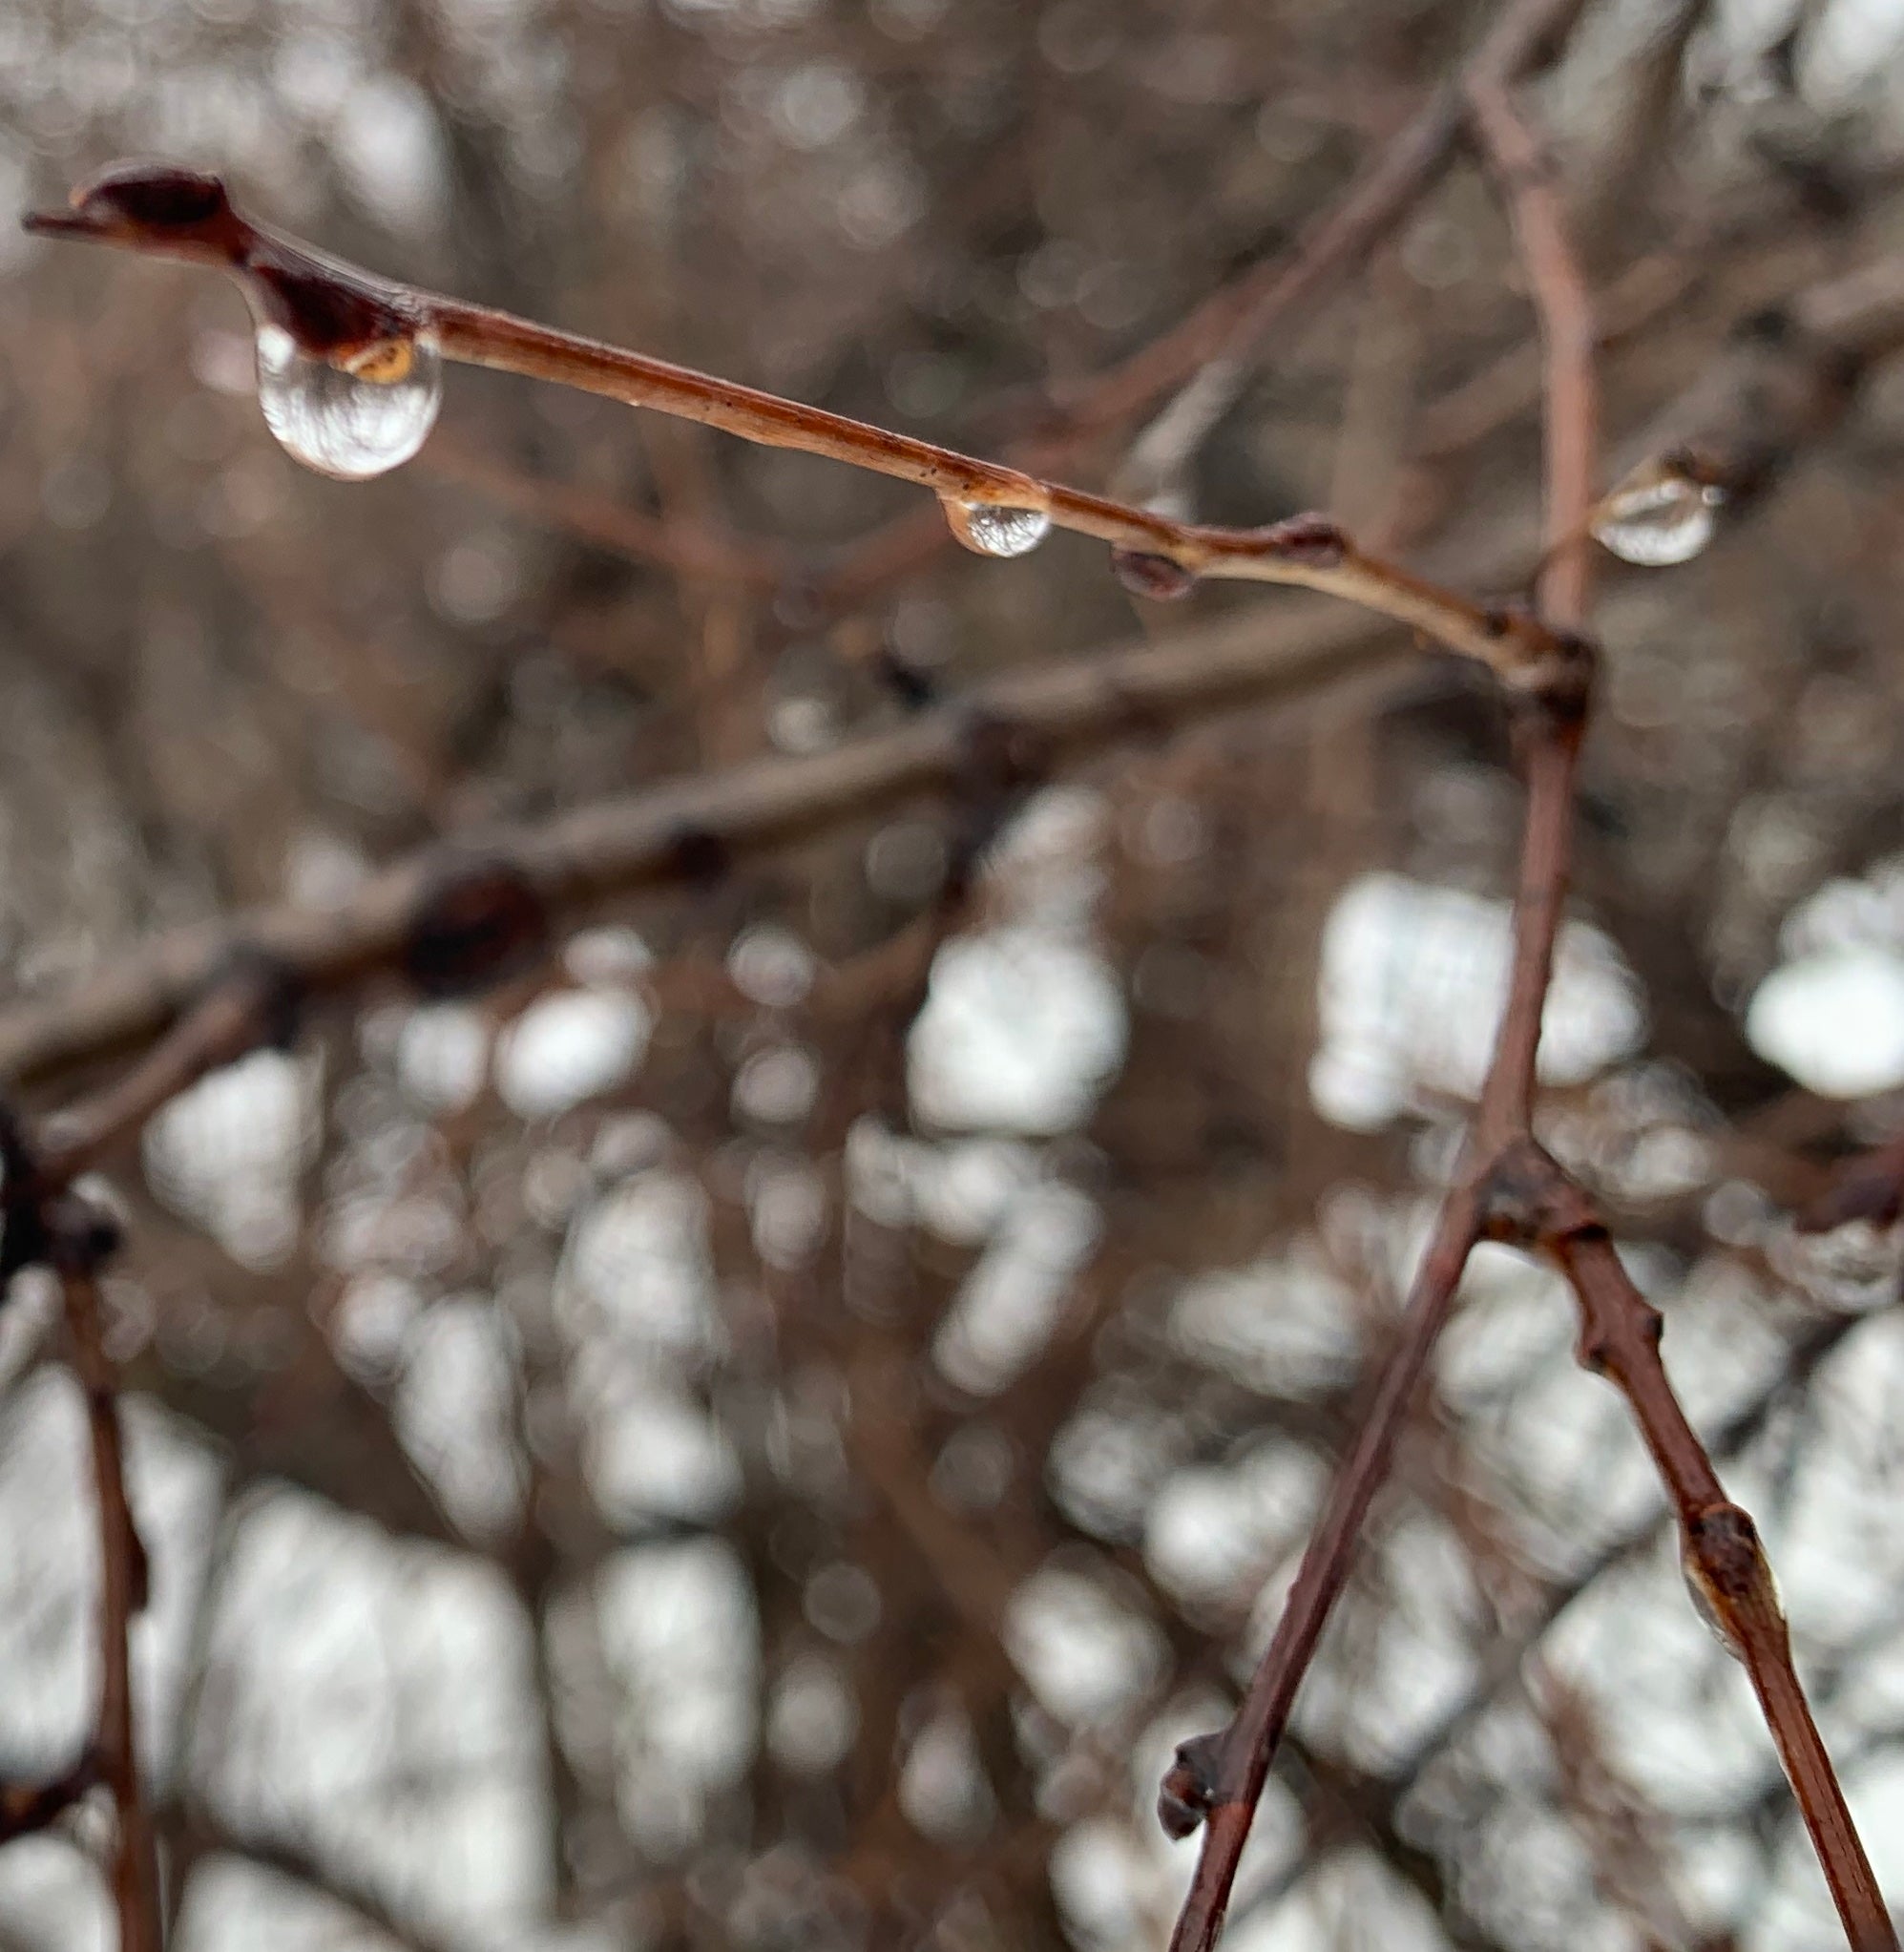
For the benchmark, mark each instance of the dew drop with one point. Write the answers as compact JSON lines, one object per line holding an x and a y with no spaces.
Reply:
{"x":360,"y":415}
{"x":1657,"y":516}
{"x":996,"y":528}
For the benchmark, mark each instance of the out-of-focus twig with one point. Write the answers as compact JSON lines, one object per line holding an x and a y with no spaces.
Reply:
{"x":77,"y":1244}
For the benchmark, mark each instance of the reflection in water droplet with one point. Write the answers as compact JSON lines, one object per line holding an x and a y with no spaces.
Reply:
{"x":994,"y":528}
{"x":1657,"y":516}
{"x":355,"y":419}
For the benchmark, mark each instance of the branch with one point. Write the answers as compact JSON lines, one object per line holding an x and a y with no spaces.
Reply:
{"x":1726,"y":1567}
{"x":452,"y":917}
{"x":1217,"y":342}
{"x":79,"y":1243}
{"x":1217,"y":1780}
{"x":373,"y":327}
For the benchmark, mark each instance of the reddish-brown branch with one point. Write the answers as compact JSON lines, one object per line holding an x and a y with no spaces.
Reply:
{"x":1215,"y":343}
{"x":28,"y":1806}
{"x":1725,"y":1565}
{"x":1567,"y":342}
{"x":351,"y":317}
{"x":122,"y":1590}
{"x":1218,"y":1779}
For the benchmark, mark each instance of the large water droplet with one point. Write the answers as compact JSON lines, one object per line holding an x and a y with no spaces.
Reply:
{"x":1657,"y":516}
{"x":362,"y":416}
{"x":996,"y":528}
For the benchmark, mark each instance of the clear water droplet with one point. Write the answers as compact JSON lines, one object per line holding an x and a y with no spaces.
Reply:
{"x":996,"y":528}
{"x":1657,"y":516}
{"x":356,"y":418}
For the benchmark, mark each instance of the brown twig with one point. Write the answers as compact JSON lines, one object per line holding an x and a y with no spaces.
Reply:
{"x":246,"y":1007}
{"x":364,"y":322}
{"x":686,"y":829}
{"x":1726,"y":1567}
{"x":78,"y":1243}
{"x":1512,"y":1189}
{"x":1215,"y":343}
{"x":1619,"y":1336}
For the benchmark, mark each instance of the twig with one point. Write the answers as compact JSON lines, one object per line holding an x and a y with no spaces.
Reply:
{"x":1619,"y":1336}
{"x":354,"y":318}
{"x":28,"y":1806}
{"x":1217,"y":1780}
{"x":1552,"y":740}
{"x":78,"y":1245}
{"x":1567,"y":342}
{"x":1726,"y":1567}
{"x":686,"y":829}
{"x":247,"y":1006}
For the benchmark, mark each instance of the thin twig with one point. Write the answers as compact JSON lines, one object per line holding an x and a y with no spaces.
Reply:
{"x":692,"y":828}
{"x":1214,"y":347}
{"x":338,"y":312}
{"x":1619,"y":1336}
{"x":1218,"y":1779}
{"x":123,"y":1588}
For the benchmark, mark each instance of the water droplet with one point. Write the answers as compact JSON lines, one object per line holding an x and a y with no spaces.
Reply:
{"x":996,"y":528}
{"x":360,"y":416}
{"x":1657,"y":516}
{"x":1159,"y":578}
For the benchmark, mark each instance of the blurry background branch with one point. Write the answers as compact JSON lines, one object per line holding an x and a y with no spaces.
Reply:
{"x":760,"y":1183}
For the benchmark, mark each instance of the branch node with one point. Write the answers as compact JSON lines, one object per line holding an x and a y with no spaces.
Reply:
{"x":699,"y":857}
{"x":476,"y":920}
{"x":1526,"y":1200}
{"x":81,"y":1235}
{"x":1309,"y":538}
{"x":1192,"y":1785}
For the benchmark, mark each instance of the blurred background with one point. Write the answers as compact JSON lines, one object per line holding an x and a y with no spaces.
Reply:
{"x":765,"y":1431}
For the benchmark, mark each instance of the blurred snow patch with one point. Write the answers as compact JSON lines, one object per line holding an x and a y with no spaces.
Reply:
{"x":443,"y":1055}
{"x":1084,"y":1655}
{"x":1414,"y":978}
{"x":1834,"y":1020}
{"x":1011,"y":1302}
{"x":569,"y":1047}
{"x":229,"y":1153}
{"x":680,"y":1635}
{"x":1021,"y":1032}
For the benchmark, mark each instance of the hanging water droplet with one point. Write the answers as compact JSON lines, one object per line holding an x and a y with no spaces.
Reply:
{"x":996,"y":528}
{"x":1657,"y":516}
{"x":364,"y":413}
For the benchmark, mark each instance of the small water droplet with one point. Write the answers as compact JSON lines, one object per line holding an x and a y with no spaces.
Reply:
{"x":1657,"y":516}
{"x":364,"y":413}
{"x":996,"y":528}
{"x":1159,"y":578}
